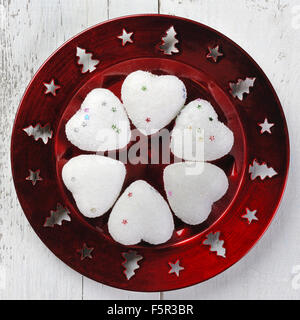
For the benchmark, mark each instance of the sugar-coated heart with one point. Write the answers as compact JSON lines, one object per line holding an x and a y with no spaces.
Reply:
{"x":152,"y":101}
{"x":141,"y":213}
{"x":101,"y":123}
{"x":192,"y":192}
{"x":94,"y":181}
{"x":210,"y":138}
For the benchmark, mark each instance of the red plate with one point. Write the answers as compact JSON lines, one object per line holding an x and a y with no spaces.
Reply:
{"x":232,"y":233}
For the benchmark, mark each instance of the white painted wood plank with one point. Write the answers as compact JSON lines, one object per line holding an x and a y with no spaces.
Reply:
{"x":30,"y":32}
{"x":118,"y":8}
{"x":92,"y":289}
{"x":269,"y":31}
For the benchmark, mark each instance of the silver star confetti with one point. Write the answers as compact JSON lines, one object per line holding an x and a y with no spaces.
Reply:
{"x":250,"y":215}
{"x":240,"y":87}
{"x":34,"y":176}
{"x":125,"y":37}
{"x":85,"y":59}
{"x":169,"y":42}
{"x":175,"y":268}
{"x":51,"y":87}
{"x":261,"y":170}
{"x":214,"y":53}
{"x":266,"y":126}
{"x":212,"y":240}
{"x":57,"y":216}
{"x":39,"y":132}
{"x":131,"y":263}
{"x":85,"y":252}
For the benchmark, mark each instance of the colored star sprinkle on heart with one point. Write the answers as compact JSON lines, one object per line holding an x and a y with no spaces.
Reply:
{"x":250,"y":215}
{"x":85,"y":252}
{"x":125,"y":37}
{"x":124,"y":221}
{"x":51,"y":87}
{"x":214,"y":53}
{"x":129,"y":194}
{"x":34,"y":176}
{"x":175,"y":268}
{"x":115,"y":128}
{"x":148,"y":120}
{"x":211,"y":138}
{"x":266,"y":126}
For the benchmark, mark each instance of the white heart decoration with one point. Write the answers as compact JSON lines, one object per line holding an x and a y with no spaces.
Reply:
{"x":152,"y":101}
{"x":101,"y":123}
{"x":141,"y":213}
{"x":210,"y":138}
{"x":191,"y":195}
{"x":94,"y":181}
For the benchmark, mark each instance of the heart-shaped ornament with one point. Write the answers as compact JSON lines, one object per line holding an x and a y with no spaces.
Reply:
{"x":198,"y":135}
{"x":192,"y":188}
{"x":94,"y":181}
{"x":141,"y":213}
{"x":101,"y":123}
{"x":152,"y":101}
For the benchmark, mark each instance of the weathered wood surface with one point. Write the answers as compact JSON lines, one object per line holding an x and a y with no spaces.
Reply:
{"x":31,"y":30}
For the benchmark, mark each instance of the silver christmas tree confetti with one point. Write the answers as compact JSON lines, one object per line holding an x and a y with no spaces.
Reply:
{"x":51,"y":87}
{"x":241,"y":87}
{"x":212,"y":240}
{"x":39,"y":132}
{"x":34,"y":176}
{"x":214,"y":53}
{"x":86,"y":60}
{"x":125,"y":37}
{"x":261,"y":170}
{"x":250,"y":215}
{"x":266,"y":126}
{"x":131,"y":263}
{"x":85,"y":252}
{"x":175,"y":268}
{"x":57,"y":216}
{"x":169,"y":42}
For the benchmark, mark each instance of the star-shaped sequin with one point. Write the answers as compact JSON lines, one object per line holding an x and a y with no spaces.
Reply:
{"x":250,"y":215}
{"x":85,"y":252}
{"x":125,"y":37}
{"x":266,"y":126}
{"x":214,"y":53}
{"x":34,"y":176}
{"x":51,"y":87}
{"x":175,"y":268}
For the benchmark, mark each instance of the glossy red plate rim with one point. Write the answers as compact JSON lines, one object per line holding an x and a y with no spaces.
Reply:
{"x":153,"y":272}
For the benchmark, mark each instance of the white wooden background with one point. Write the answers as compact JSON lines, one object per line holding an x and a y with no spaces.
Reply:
{"x":31,"y":30}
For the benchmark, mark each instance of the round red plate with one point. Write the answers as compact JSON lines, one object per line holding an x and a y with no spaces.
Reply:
{"x":256,"y":167}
